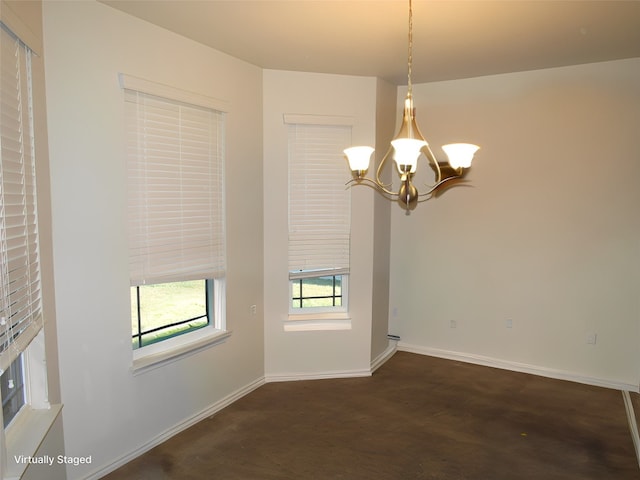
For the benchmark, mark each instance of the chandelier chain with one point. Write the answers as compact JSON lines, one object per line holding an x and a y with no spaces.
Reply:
{"x":410,"y":55}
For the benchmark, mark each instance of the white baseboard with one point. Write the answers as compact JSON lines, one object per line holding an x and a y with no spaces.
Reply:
{"x":375,"y":364}
{"x":516,"y":367}
{"x":384,"y":356}
{"x":167,"y":434}
{"x":292,"y":377}
{"x":633,"y":424}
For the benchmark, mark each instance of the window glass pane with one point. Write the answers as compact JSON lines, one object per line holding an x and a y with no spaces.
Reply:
{"x":12,"y":391}
{"x":317,"y":292}
{"x":164,"y":310}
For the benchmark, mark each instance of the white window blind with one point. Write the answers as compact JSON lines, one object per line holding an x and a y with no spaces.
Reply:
{"x":319,"y":201}
{"x":20,"y":294}
{"x":176,"y":217}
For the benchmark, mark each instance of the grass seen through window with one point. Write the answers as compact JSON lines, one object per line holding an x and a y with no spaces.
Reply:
{"x":164,"y":305}
{"x":317,"y":292}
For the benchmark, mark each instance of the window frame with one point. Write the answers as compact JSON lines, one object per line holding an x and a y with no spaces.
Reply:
{"x":313,"y":128}
{"x":158,"y":354}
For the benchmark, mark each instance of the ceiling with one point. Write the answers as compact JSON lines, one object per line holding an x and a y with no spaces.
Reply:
{"x":451,"y":38}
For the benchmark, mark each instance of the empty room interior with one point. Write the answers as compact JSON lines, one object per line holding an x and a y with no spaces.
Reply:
{"x":204,"y":267}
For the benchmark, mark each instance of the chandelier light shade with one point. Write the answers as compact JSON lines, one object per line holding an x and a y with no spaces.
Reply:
{"x":359,"y":159}
{"x":460,"y":154}
{"x":406,"y":149}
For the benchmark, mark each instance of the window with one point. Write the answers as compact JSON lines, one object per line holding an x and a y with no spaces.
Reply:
{"x":175,"y":167}
{"x":20,"y":300}
{"x":319,"y":217}
{"x":26,"y":414}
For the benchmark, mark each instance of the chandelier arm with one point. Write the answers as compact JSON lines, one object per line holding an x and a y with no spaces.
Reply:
{"x":432,"y":159}
{"x":433,"y":188}
{"x":379,"y":169}
{"x":375,"y":185}
{"x":423,"y":197}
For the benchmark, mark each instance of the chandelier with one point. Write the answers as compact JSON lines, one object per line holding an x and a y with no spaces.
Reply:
{"x":407,"y":147}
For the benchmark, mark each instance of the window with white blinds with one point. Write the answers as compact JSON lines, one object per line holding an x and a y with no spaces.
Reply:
{"x":176,"y":219}
{"x":20,"y":294}
{"x":319,"y":201}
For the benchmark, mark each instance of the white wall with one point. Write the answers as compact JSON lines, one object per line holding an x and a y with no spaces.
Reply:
{"x":548,"y":234}
{"x":305,"y":354}
{"x":108,"y":412}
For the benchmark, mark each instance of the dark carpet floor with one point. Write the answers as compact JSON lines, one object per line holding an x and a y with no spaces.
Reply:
{"x":417,"y":417}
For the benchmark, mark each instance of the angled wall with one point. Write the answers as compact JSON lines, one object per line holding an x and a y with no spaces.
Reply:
{"x":110,"y":413}
{"x":327,"y":351}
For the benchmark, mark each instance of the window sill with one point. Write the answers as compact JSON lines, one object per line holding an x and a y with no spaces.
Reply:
{"x":25,"y":435}
{"x":157,"y":355}
{"x":317,"y":321}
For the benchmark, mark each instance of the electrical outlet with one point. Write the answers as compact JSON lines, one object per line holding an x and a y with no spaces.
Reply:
{"x":592,"y":338}
{"x":253,"y":309}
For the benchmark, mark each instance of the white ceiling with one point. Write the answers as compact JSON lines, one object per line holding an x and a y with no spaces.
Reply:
{"x":451,"y":38}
